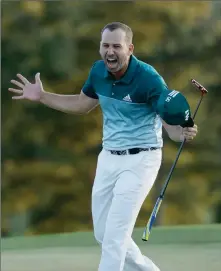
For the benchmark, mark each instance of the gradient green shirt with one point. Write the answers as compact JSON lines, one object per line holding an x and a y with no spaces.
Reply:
{"x":128,"y":105}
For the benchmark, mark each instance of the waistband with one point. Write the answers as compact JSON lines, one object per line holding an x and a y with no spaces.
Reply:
{"x":132,"y":151}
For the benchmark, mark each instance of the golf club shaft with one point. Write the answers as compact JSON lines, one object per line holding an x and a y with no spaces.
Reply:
{"x":157,"y":205}
{"x":179,"y":152}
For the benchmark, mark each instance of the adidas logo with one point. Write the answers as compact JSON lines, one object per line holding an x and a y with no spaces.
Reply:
{"x":171,"y":95}
{"x":127,"y":98}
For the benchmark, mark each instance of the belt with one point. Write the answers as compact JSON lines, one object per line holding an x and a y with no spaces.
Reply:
{"x":132,"y":151}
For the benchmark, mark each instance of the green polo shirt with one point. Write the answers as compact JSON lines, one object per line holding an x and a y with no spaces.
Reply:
{"x":128,"y":105}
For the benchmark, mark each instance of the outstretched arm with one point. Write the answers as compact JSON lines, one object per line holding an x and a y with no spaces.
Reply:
{"x":75,"y":104}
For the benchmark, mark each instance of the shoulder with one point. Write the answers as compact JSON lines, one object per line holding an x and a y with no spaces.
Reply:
{"x":98,"y":66}
{"x":147,"y":69}
{"x":149,"y":74}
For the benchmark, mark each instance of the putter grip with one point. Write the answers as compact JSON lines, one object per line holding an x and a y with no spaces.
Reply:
{"x":189,"y":123}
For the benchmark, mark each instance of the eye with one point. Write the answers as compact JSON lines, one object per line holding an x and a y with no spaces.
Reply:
{"x":105,"y":45}
{"x":116,"y":46}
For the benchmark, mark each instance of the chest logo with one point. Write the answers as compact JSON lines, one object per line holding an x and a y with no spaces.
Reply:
{"x":127,"y":98}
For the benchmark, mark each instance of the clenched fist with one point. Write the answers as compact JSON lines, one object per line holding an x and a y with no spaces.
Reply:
{"x":189,"y":133}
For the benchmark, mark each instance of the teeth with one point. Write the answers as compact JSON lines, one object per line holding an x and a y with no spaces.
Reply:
{"x":111,"y":59}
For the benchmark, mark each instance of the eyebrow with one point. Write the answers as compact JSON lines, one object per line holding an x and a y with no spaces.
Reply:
{"x":105,"y":43}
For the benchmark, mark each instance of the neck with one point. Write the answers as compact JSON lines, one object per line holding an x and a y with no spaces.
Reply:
{"x":121,"y":72}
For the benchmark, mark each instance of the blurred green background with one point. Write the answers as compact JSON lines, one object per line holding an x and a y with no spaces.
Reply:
{"x":49,"y":158}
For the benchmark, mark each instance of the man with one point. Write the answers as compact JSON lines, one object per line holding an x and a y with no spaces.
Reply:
{"x":132,"y":96}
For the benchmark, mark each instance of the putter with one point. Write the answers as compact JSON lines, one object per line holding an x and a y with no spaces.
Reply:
{"x":156,"y":208}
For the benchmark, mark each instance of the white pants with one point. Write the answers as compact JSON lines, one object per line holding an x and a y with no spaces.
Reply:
{"x":121,"y":185}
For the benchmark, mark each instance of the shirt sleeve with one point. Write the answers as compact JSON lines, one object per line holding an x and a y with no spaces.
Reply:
{"x":88,"y":87}
{"x":158,"y":86}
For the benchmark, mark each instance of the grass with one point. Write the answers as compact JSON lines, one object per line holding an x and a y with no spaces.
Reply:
{"x":175,"y":257}
{"x":180,"y":249}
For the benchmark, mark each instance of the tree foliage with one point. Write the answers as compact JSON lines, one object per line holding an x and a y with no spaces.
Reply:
{"x":49,"y":158}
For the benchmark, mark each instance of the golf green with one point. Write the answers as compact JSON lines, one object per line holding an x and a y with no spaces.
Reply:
{"x":172,"y":249}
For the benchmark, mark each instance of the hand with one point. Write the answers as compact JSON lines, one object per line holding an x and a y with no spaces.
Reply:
{"x":190,"y":132}
{"x":28,"y":91}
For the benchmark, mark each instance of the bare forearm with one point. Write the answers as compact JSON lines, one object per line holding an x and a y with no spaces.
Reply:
{"x":75,"y":104}
{"x":64,"y":103}
{"x":176,"y":133}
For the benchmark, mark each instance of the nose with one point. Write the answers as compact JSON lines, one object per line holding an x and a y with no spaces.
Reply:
{"x":110,"y":51}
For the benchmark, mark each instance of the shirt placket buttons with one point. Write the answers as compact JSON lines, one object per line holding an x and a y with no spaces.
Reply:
{"x":113,"y":85}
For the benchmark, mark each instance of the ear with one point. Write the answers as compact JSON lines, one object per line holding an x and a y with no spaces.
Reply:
{"x":100,"y":48}
{"x":131,"y":48}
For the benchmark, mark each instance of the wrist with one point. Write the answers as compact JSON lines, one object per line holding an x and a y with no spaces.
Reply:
{"x":42,"y":96}
{"x":176,"y":133}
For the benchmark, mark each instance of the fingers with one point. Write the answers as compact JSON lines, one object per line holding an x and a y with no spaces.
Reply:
{"x":37,"y":77}
{"x":18,"y":91}
{"x":190,"y":132}
{"x":18,"y":97}
{"x":190,"y":129}
{"x":189,"y":138}
{"x":17,"y":83}
{"x":23,"y":79}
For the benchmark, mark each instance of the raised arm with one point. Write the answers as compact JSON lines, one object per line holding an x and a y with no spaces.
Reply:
{"x":74,"y":104}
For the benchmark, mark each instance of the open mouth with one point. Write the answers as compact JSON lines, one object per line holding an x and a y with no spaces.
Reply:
{"x":111,"y":62}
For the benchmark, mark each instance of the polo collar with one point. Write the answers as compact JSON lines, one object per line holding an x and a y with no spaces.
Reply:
{"x":130,"y":72}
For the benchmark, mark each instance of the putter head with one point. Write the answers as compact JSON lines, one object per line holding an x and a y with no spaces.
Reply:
{"x":199,"y":86}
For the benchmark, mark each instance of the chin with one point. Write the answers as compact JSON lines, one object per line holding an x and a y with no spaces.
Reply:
{"x":114,"y":70}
